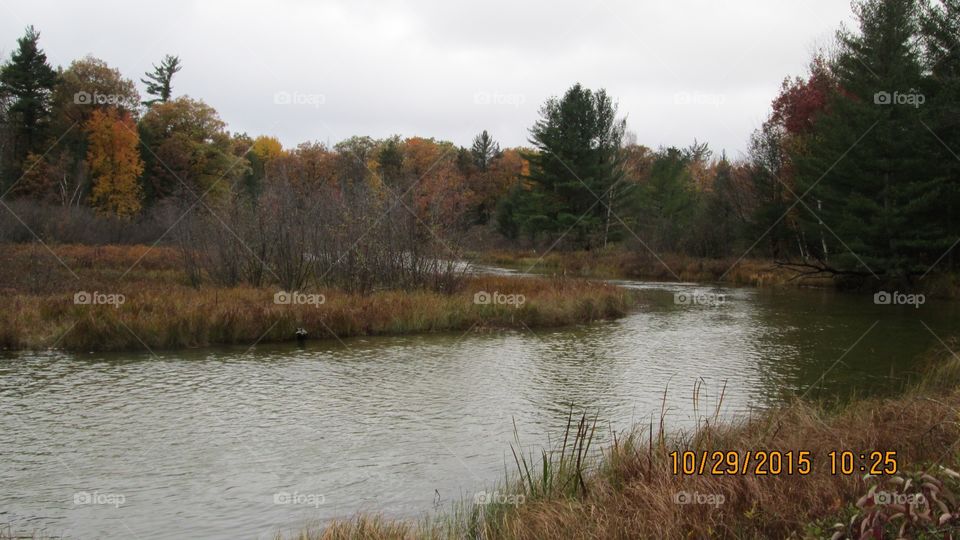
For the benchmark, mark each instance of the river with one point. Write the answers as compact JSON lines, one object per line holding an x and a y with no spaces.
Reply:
{"x":243,"y":443}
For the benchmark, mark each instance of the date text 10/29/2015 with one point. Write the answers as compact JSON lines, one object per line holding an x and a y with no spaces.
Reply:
{"x":776,"y":462}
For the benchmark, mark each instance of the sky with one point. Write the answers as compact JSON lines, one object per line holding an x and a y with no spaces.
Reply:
{"x":324,"y":71}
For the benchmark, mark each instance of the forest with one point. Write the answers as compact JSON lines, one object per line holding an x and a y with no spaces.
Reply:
{"x":853,"y":175}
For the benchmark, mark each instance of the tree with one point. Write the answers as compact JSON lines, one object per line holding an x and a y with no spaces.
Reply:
{"x":769,"y":211}
{"x":484,"y":150}
{"x":390,"y":161}
{"x":434,"y":185}
{"x":940,"y":35}
{"x":720,"y":212}
{"x":490,"y":185}
{"x":28,"y":80}
{"x":870,"y":212}
{"x":801,"y":100}
{"x":668,"y":198}
{"x":187,"y":152}
{"x":160,"y":81}
{"x":573,"y":171}
{"x":260,"y":153}
{"x":114,"y":162}
{"x":309,"y":167}
{"x":87,"y":85}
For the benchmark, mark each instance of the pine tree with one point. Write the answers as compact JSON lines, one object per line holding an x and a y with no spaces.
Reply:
{"x":159,"y":81}
{"x":390,"y":162}
{"x":668,"y":198}
{"x":574,"y":171}
{"x":872,"y":190}
{"x":28,"y":80}
{"x":940,"y":31}
{"x":484,"y":150}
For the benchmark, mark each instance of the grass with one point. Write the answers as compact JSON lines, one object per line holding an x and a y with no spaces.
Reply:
{"x":618,"y":263}
{"x":628,"y":489}
{"x":161,"y":311}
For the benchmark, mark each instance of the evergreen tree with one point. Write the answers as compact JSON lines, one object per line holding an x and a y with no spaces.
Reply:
{"x":484,"y":150}
{"x":769,"y":166}
{"x":390,"y":161}
{"x":159,"y":81}
{"x":668,"y":200}
{"x":574,"y":171}
{"x":28,"y":81}
{"x":719,"y":220}
{"x":940,"y":31}
{"x":868,"y":166}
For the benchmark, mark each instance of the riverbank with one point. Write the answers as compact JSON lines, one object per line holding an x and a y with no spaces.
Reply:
{"x":85,"y":298}
{"x":619,"y":263}
{"x":631,"y":490}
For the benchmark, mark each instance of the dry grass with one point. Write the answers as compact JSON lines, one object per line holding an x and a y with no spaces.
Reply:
{"x":636,"y":496}
{"x":630,"y":491}
{"x":616,"y":262}
{"x":161,"y":311}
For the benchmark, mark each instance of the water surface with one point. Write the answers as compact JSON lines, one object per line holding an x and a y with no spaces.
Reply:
{"x":205,"y":444}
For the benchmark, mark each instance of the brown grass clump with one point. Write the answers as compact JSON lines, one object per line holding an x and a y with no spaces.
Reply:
{"x":161,"y":311}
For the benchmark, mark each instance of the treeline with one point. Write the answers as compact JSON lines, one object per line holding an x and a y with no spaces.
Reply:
{"x":84,"y":159}
{"x":82,"y":137}
{"x":855,"y":172}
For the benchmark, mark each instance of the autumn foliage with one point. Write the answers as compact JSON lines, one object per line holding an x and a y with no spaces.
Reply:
{"x":114,"y":162}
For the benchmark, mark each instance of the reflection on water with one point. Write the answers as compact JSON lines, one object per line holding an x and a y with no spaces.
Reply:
{"x":215,"y":443}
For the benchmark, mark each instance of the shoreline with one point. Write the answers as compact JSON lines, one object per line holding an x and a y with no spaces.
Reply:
{"x":617,"y":263}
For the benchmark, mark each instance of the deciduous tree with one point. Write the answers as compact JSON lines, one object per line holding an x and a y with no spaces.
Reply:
{"x":114,"y":162}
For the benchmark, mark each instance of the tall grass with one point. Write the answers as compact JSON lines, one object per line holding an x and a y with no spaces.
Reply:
{"x":560,"y":474}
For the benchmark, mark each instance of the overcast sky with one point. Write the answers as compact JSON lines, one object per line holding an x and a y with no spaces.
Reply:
{"x":439,"y":68}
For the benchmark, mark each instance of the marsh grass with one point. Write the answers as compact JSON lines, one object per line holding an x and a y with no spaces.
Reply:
{"x":162,"y":311}
{"x":616,"y":262}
